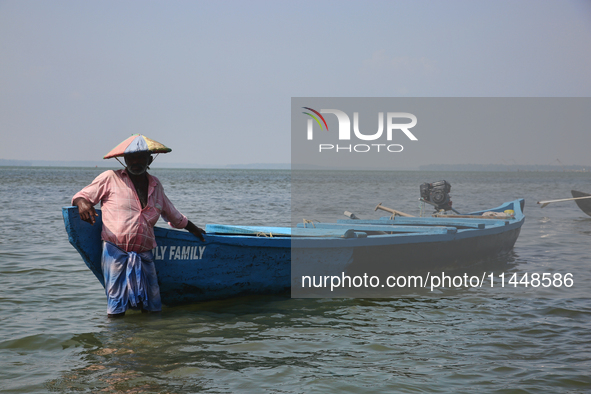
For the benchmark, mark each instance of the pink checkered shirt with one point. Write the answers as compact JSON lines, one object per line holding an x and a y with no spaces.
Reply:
{"x":125,"y":223}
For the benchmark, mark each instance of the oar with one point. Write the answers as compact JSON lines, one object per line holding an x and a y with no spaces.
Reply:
{"x":544,"y":203}
{"x":392,"y":211}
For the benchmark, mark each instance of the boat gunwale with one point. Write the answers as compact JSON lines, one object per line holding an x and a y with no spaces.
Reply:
{"x":496,"y":226}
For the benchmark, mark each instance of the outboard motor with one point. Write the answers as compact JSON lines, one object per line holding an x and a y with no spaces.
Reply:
{"x":437,"y":194}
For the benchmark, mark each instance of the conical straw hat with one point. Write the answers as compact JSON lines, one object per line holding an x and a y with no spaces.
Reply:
{"x":137,"y":143}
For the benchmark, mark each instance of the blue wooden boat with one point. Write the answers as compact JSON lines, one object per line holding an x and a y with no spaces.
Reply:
{"x":240,"y":260}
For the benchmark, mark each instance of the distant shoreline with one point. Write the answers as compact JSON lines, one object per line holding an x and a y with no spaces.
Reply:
{"x":505,"y":168}
{"x":112,"y":163}
{"x":288,"y":166}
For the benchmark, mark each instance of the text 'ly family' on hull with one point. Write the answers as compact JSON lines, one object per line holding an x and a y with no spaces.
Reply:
{"x":178,"y":252}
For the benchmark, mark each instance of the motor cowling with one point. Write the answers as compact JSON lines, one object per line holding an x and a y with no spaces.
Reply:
{"x":437,"y":194}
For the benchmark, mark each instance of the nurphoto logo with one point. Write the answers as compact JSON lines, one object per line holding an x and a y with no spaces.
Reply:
{"x":344,"y":131}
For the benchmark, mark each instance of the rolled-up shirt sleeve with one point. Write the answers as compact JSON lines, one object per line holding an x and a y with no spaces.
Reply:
{"x":170,"y":214}
{"x":95,"y":191}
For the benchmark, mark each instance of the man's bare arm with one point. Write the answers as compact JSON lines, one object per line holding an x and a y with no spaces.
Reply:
{"x":196,"y":231}
{"x":86,"y":210}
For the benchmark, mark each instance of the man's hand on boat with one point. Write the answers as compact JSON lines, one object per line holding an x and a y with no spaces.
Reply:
{"x":196,"y":231}
{"x":86,"y":210}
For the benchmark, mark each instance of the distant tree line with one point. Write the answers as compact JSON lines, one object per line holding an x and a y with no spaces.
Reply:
{"x":504,"y":167}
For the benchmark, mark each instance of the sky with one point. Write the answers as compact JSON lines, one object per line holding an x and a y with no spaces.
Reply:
{"x":213,"y":80}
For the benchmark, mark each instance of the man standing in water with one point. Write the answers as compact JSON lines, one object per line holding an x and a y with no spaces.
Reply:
{"x":132,"y":201}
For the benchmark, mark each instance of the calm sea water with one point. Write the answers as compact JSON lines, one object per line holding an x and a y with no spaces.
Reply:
{"x":55,"y":336}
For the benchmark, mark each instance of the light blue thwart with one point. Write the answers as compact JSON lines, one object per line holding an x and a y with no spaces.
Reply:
{"x":239,"y":260}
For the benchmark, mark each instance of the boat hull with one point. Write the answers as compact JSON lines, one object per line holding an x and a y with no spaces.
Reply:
{"x":243,"y":263}
{"x":585,"y":204}
{"x":471,"y":241}
{"x":190,"y":270}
